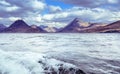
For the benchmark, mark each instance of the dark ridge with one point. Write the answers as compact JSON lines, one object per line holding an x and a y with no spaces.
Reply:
{"x":19,"y":24}
{"x":112,"y":31}
{"x":70,"y":26}
{"x":117,"y":22}
{"x":75,"y":26}
{"x":113,"y":27}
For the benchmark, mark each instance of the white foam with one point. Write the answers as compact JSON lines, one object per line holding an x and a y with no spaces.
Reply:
{"x":27,"y":63}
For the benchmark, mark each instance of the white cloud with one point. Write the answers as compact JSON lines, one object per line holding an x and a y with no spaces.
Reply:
{"x":11,"y":9}
{"x":55,"y":16}
{"x":1,"y":18}
{"x":54,"y":9}
{"x":48,"y":16}
{"x":38,"y":19}
{"x":53,"y":24}
{"x":3,"y":2}
{"x":14,"y":18}
{"x":37,"y":4}
{"x":113,"y":1}
{"x":88,"y":14}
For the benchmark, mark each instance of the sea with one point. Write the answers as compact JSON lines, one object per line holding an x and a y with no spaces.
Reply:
{"x":51,"y":53}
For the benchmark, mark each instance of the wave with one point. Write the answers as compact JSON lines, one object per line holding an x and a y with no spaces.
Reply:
{"x":34,"y":63}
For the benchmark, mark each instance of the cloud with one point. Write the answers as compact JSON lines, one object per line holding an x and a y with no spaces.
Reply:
{"x":3,"y":2}
{"x":86,"y":10}
{"x":29,"y":10}
{"x":13,"y":18}
{"x":94,"y":3}
{"x":24,"y":8}
{"x":54,"y":9}
{"x":86,"y":14}
{"x":113,"y":1}
{"x":28,"y":4}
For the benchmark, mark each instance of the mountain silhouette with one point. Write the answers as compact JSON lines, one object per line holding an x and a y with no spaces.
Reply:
{"x":110,"y":28}
{"x":75,"y":26}
{"x":20,"y":26}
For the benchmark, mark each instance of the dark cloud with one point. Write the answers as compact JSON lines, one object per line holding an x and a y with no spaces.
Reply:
{"x":94,"y":3}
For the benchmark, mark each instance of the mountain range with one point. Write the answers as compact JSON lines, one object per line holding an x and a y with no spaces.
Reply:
{"x":20,"y":26}
{"x":76,"y":26}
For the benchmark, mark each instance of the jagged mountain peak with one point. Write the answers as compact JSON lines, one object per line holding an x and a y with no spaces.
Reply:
{"x":77,"y":22}
{"x":76,"y":25}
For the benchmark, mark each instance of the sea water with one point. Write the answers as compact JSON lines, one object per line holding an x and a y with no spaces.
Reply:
{"x":44,"y":53}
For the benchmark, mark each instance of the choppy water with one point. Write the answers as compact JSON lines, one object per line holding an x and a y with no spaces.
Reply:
{"x":32,"y":53}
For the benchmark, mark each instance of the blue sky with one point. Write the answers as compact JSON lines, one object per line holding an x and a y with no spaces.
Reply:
{"x":62,"y":5}
{"x":59,"y":3}
{"x":59,"y":12}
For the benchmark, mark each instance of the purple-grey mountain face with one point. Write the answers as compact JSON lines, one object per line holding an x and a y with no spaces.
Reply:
{"x":110,"y":28}
{"x":37,"y":29}
{"x":77,"y":26}
{"x":20,"y":26}
{"x":2,"y":27}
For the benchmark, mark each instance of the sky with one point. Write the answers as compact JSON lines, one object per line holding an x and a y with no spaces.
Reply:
{"x":58,"y":12}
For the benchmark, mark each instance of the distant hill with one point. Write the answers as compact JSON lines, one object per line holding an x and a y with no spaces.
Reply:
{"x":50,"y":29}
{"x":77,"y":26}
{"x":110,"y":28}
{"x":20,"y":26}
{"x":36,"y":29}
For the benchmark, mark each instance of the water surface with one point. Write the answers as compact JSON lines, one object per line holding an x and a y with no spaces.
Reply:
{"x":93,"y":53}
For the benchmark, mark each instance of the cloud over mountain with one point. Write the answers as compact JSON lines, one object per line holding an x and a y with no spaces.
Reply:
{"x":44,"y":12}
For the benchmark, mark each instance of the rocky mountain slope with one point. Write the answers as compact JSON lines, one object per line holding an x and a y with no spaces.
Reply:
{"x":110,"y":28}
{"x":77,"y":26}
